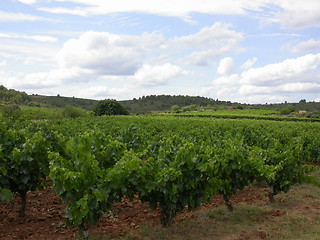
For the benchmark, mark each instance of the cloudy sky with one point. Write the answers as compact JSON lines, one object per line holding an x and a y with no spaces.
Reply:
{"x":259,"y":51}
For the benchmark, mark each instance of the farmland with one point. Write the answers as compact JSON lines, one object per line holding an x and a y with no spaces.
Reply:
{"x":166,"y":162}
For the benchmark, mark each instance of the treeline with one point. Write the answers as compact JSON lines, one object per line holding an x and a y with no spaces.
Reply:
{"x":301,"y":105}
{"x":146,"y":104}
{"x":160,"y":103}
{"x":141,"y":105}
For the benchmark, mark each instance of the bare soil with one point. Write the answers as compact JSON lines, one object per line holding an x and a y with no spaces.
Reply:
{"x":131,"y":220}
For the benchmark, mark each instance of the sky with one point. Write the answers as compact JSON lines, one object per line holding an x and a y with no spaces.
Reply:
{"x":258,"y":51}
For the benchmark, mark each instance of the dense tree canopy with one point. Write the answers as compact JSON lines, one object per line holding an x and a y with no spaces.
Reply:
{"x":109,"y":107}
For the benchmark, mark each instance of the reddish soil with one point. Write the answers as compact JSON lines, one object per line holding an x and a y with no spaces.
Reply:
{"x":45,"y":216}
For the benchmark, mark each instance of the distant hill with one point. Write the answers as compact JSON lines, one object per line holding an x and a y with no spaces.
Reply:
{"x":160,"y":103}
{"x":141,"y":105}
{"x":61,"y":102}
{"x":144,"y":104}
{"x":301,"y":105}
{"x":10,"y":96}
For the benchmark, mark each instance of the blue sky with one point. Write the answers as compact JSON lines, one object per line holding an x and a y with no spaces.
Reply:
{"x":262,"y":51}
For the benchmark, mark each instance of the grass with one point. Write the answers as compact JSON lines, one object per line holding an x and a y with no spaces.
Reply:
{"x":295,"y":215}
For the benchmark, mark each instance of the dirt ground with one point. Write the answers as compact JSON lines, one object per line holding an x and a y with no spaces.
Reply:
{"x":45,"y":216}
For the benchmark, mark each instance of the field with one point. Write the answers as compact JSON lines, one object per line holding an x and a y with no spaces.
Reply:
{"x":257,"y":114}
{"x":159,"y":177}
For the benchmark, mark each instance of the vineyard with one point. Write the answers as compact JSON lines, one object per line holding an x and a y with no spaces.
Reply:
{"x":170,"y":163}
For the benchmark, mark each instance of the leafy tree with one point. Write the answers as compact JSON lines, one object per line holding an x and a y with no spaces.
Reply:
{"x":109,"y":107}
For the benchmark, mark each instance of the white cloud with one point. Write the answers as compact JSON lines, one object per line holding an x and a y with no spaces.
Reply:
{"x":281,"y":89}
{"x":19,"y":51}
{"x":39,"y":80}
{"x":301,"y":87}
{"x":306,"y":46}
{"x":3,"y":63}
{"x":291,"y":13}
{"x":208,"y":44}
{"x":297,"y":14}
{"x":103,"y":92}
{"x":266,"y":84}
{"x":29,"y":2}
{"x":204,"y":58}
{"x":288,"y":70}
{"x":39,"y":38}
{"x":226,"y":66}
{"x":107,"y":54}
{"x":249,"y":63}
{"x":20,"y":17}
{"x":177,"y":8}
{"x":150,"y":76}
{"x":215,"y":36}
{"x":265,"y":98}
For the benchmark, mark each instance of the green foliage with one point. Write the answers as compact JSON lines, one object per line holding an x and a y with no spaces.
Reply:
{"x":10,"y":96}
{"x":37,"y":113}
{"x":109,"y":107}
{"x":315,"y":114}
{"x":287,"y":110}
{"x":175,"y":108}
{"x":162,"y":103}
{"x":283,"y":165}
{"x":79,"y":181}
{"x":170,"y":162}
{"x":235,"y":167}
{"x":11,"y":111}
{"x":189,"y":108}
{"x":24,"y":154}
{"x":73,"y":112}
{"x":5,"y":195}
{"x":179,"y":177}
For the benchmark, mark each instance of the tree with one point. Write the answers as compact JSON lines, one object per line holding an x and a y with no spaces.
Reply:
{"x":109,"y":107}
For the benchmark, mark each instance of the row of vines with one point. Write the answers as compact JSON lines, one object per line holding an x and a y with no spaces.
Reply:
{"x":171,"y":163}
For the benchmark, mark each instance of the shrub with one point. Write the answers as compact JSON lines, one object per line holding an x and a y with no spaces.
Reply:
{"x":287,"y":110}
{"x":11,"y":111}
{"x":73,"y":112}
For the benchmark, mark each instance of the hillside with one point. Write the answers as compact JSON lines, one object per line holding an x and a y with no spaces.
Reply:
{"x":161,"y":103}
{"x":145,"y":104}
{"x":142,"y":105}
{"x":62,"y":102}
